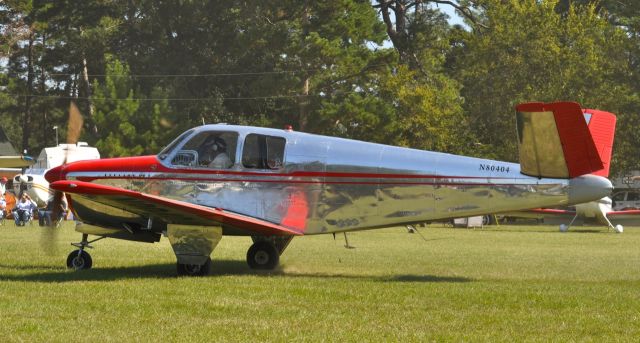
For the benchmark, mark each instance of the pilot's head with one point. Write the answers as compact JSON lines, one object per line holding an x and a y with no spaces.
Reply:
{"x":216,"y":144}
{"x":3,"y":180}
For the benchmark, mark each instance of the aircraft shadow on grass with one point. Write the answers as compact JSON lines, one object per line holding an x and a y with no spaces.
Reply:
{"x":218,"y":268}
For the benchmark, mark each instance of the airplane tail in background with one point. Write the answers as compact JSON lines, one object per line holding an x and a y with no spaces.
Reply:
{"x":556,"y":141}
{"x":602,"y":126}
{"x":6,"y":148}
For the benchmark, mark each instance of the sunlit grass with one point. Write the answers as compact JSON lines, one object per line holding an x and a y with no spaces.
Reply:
{"x":499,"y":283}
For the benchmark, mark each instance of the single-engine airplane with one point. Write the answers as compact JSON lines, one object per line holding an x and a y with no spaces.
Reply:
{"x":275,"y":184}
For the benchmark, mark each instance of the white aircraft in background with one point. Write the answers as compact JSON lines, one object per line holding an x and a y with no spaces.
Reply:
{"x":594,"y":212}
{"x":32,"y":180}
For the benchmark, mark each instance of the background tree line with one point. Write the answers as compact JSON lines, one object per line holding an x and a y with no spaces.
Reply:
{"x":389,"y":71}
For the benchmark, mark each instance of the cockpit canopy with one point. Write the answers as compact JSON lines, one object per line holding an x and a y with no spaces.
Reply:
{"x":218,"y":148}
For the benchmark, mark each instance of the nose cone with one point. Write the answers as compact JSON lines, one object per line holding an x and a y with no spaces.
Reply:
{"x":54,"y":174}
{"x":587,"y":188}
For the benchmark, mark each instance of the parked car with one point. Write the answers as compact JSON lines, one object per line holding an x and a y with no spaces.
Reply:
{"x":626,"y":200}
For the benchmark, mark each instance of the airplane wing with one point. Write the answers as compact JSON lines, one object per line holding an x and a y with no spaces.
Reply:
{"x":558,"y":216}
{"x":16,"y":161}
{"x":628,"y":217}
{"x":550,"y":215}
{"x":168,"y":210}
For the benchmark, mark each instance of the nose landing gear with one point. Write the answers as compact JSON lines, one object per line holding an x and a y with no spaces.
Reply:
{"x":80,"y":259}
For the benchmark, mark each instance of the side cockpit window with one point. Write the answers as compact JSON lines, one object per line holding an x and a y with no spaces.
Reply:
{"x":263,"y":152}
{"x":210,"y":149}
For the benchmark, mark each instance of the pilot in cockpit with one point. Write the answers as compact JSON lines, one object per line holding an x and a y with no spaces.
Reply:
{"x":213,"y":153}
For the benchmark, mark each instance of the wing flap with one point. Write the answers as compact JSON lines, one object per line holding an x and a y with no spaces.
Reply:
{"x":624,"y":214}
{"x":169,"y":210}
{"x":542,"y":213}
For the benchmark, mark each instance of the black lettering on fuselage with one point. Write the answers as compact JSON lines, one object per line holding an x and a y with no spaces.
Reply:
{"x":493,"y":168}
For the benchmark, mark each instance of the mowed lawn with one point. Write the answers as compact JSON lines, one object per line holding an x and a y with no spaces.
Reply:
{"x":507,"y":283}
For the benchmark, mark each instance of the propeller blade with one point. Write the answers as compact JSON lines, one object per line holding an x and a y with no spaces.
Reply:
{"x":74,"y":126}
{"x":74,"y":129}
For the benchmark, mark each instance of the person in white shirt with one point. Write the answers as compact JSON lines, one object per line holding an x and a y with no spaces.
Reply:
{"x":213,"y":153}
{"x":3,"y":207}
{"x":3,"y":185}
{"x":24,"y":209}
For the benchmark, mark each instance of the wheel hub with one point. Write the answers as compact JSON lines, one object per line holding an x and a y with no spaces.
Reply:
{"x":262,"y":257}
{"x":78,"y":262}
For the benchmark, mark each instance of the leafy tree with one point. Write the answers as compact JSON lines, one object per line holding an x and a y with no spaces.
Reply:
{"x":531,"y":53}
{"x":325,"y":67}
{"x":414,"y":26}
{"x":127,"y":129}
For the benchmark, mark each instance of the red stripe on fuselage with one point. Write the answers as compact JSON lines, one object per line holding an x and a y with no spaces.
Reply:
{"x":87,"y":179}
{"x":115,"y":168}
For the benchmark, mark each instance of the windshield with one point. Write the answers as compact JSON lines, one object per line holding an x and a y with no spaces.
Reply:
{"x":167,"y":150}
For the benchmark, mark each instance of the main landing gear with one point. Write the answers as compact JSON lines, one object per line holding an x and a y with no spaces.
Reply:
{"x":184,"y":269}
{"x":80,"y":259}
{"x":265,"y":252}
{"x":193,"y":250}
{"x":263,"y":255}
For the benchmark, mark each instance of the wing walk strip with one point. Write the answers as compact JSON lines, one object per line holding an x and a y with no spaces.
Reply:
{"x":169,"y":210}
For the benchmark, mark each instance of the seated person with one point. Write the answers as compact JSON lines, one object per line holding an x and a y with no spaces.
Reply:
{"x":45,"y":214}
{"x":213,"y":153}
{"x":24,"y":209}
{"x":3,"y":207}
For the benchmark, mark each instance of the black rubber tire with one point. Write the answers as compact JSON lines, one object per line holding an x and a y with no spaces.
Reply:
{"x":488,"y":219}
{"x":194,"y":269}
{"x":263,"y":255}
{"x":81,"y":262}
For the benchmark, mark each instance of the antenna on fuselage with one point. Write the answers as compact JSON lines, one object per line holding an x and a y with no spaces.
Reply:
{"x":414,"y":229}
{"x":346,"y":241}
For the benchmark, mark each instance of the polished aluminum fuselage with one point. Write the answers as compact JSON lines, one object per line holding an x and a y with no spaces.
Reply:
{"x":329,"y":184}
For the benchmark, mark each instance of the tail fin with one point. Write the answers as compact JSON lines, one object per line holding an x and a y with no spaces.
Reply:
{"x":554,"y":141}
{"x":602,"y":126}
{"x":6,"y":148}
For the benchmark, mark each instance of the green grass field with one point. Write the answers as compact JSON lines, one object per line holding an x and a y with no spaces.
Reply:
{"x":507,"y":283}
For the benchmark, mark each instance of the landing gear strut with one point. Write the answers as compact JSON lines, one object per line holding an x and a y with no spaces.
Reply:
{"x":80,"y":259}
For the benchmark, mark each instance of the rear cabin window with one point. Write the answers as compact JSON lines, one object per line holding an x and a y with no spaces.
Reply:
{"x":631,"y":196}
{"x":619,"y":197}
{"x":263,"y":152}
{"x":211,"y":149}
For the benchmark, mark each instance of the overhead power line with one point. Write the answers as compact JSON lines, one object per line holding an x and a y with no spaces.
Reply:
{"x":186,"y":75}
{"x":252,"y":73}
{"x":168,"y":99}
